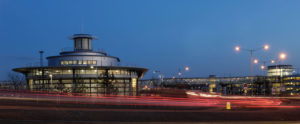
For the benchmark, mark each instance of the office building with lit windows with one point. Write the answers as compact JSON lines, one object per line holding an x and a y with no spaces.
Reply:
{"x":280,"y":70}
{"x":281,"y":81}
{"x":83,"y":70}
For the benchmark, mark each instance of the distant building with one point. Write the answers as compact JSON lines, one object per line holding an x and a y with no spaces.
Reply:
{"x":280,"y":70}
{"x":255,"y":85}
{"x":291,"y":84}
{"x":83,"y":70}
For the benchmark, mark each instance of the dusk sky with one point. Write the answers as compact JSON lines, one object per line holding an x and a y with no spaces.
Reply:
{"x":162,"y":35}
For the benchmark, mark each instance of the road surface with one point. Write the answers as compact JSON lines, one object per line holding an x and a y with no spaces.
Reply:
{"x":43,"y":108}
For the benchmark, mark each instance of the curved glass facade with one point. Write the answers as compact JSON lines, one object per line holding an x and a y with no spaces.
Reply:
{"x":84,"y":71}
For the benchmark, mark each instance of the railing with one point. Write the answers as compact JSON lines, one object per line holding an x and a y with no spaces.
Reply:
{"x":83,"y":76}
{"x":70,"y":49}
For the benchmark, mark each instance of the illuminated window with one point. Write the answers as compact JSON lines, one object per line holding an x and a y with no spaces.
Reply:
{"x":79,"y":62}
{"x":91,"y":72}
{"x":110,"y":72}
{"x":101,"y":72}
{"x":116,"y":72}
{"x":84,"y":62}
{"x":133,"y":82}
{"x":67,"y":72}
{"x":94,"y":62}
{"x":80,"y":71}
{"x":74,"y":62}
{"x":89,"y":62}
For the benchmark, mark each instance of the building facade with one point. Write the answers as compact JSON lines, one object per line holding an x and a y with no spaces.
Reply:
{"x":280,"y":70}
{"x":257,"y":85}
{"x":83,"y":70}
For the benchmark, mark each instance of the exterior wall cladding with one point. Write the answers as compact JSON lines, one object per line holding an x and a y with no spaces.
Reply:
{"x":83,"y":71}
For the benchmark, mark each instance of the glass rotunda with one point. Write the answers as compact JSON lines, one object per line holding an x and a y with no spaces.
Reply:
{"x":83,"y":70}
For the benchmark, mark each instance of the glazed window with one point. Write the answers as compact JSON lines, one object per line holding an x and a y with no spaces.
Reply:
{"x":89,"y":62}
{"x":94,"y":62}
{"x":84,"y":62}
{"x":67,"y":72}
{"x":117,"y":72}
{"x":91,"y":72}
{"x":79,"y":62}
{"x":74,"y":62}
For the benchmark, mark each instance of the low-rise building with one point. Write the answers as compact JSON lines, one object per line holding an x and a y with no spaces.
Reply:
{"x":83,"y":70}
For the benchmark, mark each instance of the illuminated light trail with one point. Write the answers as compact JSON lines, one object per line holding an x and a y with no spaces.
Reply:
{"x":195,"y":99}
{"x":239,"y":100}
{"x":272,"y":106}
{"x":124,"y":100}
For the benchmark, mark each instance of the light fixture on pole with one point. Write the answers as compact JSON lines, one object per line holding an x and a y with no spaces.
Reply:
{"x":265,"y":47}
{"x":282,"y":56}
{"x":187,"y":68}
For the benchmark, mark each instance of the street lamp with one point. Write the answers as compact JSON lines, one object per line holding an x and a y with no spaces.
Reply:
{"x":179,"y":74}
{"x":187,"y":68}
{"x":255,"y":61}
{"x":282,"y":56}
{"x":237,"y":48}
{"x":265,"y":47}
{"x":272,"y":61}
{"x":262,"y":67}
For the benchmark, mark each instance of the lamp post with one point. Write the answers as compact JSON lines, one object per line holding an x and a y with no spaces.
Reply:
{"x":251,"y":51}
{"x":263,"y":67}
{"x":179,"y":73}
{"x":282,"y":56}
{"x":186,"y":68}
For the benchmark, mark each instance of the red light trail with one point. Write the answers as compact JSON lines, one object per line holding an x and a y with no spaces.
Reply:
{"x":195,"y":99}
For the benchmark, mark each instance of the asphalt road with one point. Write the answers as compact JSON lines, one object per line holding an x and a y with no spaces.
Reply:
{"x":32,"y":112}
{"x":48,"y":109}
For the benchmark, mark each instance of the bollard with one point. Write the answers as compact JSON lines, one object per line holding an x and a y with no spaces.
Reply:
{"x":228,"y":106}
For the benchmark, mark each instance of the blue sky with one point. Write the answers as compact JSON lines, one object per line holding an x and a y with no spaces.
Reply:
{"x":162,"y":35}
